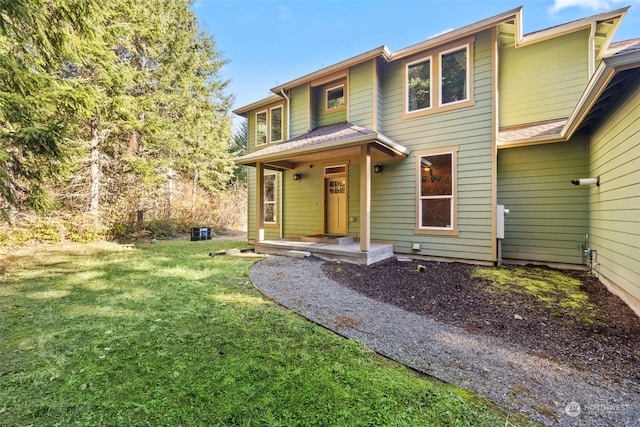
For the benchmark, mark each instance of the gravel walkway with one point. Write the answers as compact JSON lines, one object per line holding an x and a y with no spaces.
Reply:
{"x":510,"y":376}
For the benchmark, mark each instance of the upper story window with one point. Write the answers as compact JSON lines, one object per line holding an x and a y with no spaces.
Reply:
{"x":334,"y":97}
{"x":439,"y":81}
{"x":269,"y":125}
{"x":454,"y":76}
{"x":276,"y":124}
{"x":261,"y":128}
{"x":419,"y":85}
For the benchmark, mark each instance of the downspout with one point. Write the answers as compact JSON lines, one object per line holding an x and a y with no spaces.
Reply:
{"x":284,"y":94}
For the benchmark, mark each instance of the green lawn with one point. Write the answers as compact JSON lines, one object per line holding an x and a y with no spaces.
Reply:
{"x":163,"y":334}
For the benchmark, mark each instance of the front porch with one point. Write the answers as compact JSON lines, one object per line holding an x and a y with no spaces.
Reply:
{"x":330,"y":248}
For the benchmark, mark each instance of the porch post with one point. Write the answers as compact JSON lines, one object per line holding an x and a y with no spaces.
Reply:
{"x":365,"y":197}
{"x":259,"y":202}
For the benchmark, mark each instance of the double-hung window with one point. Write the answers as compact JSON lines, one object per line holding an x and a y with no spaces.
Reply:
{"x":438,"y":81}
{"x":269,"y":126}
{"x":270,"y":197}
{"x":437,"y":191}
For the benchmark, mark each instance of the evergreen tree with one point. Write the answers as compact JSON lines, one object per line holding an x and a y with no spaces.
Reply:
{"x":40,"y":98}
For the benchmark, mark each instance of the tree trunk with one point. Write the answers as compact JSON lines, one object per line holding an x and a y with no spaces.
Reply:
{"x":94,"y":157}
{"x":170,"y":195}
{"x":194,"y":193}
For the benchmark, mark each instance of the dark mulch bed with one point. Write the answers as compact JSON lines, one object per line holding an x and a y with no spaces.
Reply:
{"x":600,"y":333}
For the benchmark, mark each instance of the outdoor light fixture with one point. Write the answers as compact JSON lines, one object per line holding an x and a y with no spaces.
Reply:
{"x":297,"y":176}
{"x":586,"y":181}
{"x":378,"y":168}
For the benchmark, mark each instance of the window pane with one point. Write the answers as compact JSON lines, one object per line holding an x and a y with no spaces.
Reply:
{"x":269,"y":188}
{"x":335,"y":97}
{"x":261,"y":128}
{"x":270,"y":212}
{"x":419,"y":82}
{"x":270,"y":202}
{"x":276,"y":124}
{"x":454,"y":76}
{"x":436,"y":213}
{"x":436,"y":175}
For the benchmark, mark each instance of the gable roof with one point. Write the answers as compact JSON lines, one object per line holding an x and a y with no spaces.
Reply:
{"x":510,"y":23}
{"x":325,"y":138}
{"x":620,"y":66}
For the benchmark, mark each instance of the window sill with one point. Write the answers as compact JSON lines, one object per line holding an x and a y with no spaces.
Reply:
{"x":436,"y":110}
{"x":424,"y":231}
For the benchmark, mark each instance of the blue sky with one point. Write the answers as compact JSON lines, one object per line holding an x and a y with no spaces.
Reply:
{"x":270,"y":42}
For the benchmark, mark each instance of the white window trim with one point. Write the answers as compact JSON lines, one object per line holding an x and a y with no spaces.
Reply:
{"x":326,"y":97}
{"x":270,"y":121}
{"x":266,"y":139}
{"x":468,"y":75}
{"x":275,"y":198}
{"x":406,"y":84}
{"x":453,"y":227}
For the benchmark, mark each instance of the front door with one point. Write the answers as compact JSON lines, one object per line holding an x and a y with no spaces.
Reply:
{"x":336,"y":204}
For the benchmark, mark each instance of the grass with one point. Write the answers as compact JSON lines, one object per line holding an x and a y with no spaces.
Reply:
{"x":108,"y":334}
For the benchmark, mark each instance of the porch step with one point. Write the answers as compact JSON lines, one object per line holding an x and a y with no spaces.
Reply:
{"x":331,"y":239}
{"x":298,"y":254}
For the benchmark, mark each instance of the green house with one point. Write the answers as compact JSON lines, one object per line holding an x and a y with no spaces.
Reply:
{"x":423,"y":151}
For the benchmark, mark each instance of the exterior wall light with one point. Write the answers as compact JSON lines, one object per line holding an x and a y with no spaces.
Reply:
{"x":297,"y":176}
{"x":586,"y":181}
{"x":378,"y":168}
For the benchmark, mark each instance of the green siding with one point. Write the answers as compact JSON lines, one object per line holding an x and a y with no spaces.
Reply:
{"x":299,"y":110}
{"x":303,"y":202}
{"x":271,"y":231}
{"x":543,"y":81}
{"x":614,"y":229}
{"x":322,"y":117}
{"x":394,"y":193}
{"x":251,"y":125}
{"x":361,"y":96}
{"x":548,"y":216}
{"x":354,"y":199}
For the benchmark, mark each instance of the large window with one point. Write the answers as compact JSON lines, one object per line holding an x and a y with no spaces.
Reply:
{"x":269,"y":125}
{"x":270,"y":198}
{"x":438,"y":82}
{"x":436,"y":190}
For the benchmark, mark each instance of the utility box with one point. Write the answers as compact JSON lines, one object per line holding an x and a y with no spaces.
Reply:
{"x":200,"y":233}
{"x":501,"y":212}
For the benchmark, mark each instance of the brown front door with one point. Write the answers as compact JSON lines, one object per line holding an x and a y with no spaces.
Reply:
{"x":336,"y":204}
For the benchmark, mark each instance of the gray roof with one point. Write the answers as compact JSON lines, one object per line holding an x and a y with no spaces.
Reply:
{"x":324,"y":138}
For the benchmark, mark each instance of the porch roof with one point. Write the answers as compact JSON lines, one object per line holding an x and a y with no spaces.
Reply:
{"x":343,"y":137}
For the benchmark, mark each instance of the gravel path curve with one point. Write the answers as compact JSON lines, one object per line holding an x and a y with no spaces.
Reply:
{"x":548,"y":392}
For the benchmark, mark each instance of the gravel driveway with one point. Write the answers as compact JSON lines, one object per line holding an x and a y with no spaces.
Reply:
{"x":550,"y":393}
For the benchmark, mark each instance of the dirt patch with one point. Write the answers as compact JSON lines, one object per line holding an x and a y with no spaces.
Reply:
{"x":566,"y":316}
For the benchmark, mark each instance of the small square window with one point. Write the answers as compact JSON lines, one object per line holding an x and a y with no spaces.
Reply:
{"x":335,"y":97}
